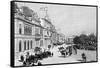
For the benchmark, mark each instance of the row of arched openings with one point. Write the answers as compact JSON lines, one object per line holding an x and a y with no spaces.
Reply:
{"x":27,"y":45}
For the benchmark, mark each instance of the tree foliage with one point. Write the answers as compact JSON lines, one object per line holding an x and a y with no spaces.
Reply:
{"x":86,"y":40}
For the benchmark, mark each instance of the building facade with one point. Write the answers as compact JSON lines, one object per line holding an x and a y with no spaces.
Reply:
{"x":32,"y":31}
{"x":69,"y":40}
{"x":28,"y":32}
{"x":48,"y":32}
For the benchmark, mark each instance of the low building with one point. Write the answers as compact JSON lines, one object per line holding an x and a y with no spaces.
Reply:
{"x":69,"y":40}
{"x":61,"y":38}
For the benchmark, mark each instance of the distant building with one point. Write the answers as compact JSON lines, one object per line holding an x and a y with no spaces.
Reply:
{"x":69,"y":40}
{"x":48,"y":32}
{"x":61,"y":38}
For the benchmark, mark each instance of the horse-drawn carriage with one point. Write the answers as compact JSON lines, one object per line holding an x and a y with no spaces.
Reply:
{"x":67,"y":50}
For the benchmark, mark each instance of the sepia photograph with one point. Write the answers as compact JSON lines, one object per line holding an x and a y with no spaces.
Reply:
{"x":53,"y":33}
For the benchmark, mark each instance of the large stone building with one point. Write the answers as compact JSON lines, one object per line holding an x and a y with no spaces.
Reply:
{"x":28,"y":31}
{"x":32,"y":31}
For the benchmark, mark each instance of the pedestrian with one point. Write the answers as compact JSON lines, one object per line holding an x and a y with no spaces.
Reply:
{"x":21,"y":58}
{"x":84,"y":57}
{"x":27,"y":58}
{"x":75,"y":49}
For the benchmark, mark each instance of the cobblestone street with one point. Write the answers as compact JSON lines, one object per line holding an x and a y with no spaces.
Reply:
{"x":57,"y":58}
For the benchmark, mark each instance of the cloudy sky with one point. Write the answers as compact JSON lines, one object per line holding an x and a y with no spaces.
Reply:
{"x":69,"y":20}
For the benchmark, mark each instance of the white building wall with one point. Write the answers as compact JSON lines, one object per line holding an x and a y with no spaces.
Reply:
{"x":16,"y":45}
{"x":16,"y":26}
{"x":33,"y":30}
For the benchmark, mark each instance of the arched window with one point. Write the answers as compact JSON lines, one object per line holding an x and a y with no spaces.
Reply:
{"x":20,"y":29}
{"x":19,"y":46}
{"x":28,"y":45}
{"x":24,"y":45}
{"x":31,"y":44}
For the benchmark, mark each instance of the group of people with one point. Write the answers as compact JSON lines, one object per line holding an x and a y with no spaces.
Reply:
{"x":31,"y":59}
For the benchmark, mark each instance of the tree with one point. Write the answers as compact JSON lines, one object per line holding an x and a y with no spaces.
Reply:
{"x":76,"y":40}
{"x":87,"y":42}
{"x":93,"y":40}
{"x":84,"y":39}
